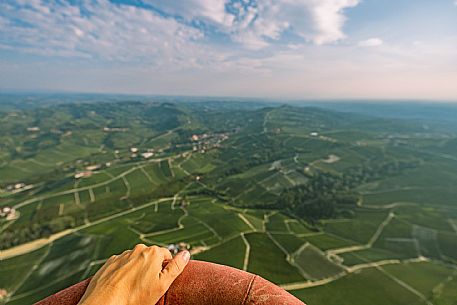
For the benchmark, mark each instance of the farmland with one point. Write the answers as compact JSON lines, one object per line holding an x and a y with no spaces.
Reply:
{"x":330,"y":206}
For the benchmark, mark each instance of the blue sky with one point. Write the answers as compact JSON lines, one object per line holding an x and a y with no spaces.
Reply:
{"x":303,"y":49}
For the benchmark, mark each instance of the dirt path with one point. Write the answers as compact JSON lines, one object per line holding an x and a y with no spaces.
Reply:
{"x":372,"y":265}
{"x":39,"y":243}
{"x":246,"y":221}
{"x":331,"y":159}
{"x":71,"y":191}
{"x":246,"y":253}
{"x":373,"y":239}
{"x":294,"y":263}
{"x":147,"y":175}
{"x":78,"y":201}
{"x":127,"y":185}
{"x":406,"y":286}
{"x":356,"y":268}
{"x":453,"y":224}
{"x":286,"y":223}
{"x":291,"y":181}
{"x":380,"y":229}
{"x":309,"y":284}
{"x":91,"y":195}
{"x":33,"y":245}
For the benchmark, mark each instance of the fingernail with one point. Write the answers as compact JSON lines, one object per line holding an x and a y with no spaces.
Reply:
{"x":185,"y":255}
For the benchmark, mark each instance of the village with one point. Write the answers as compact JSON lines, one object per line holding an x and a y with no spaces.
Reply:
{"x":133,"y":153}
{"x":17,"y":188}
{"x":200,"y":143}
{"x":204,"y":142}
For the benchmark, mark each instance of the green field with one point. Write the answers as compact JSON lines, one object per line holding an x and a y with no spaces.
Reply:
{"x":337,"y":208}
{"x":368,"y":287}
{"x":267,"y":260}
{"x":219,"y":255}
{"x":315,"y":265}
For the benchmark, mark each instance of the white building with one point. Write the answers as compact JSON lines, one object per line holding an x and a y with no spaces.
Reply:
{"x":147,"y":155}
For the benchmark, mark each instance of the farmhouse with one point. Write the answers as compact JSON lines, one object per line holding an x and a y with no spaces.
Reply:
{"x":8,"y":213}
{"x":147,"y":155}
{"x":16,"y":187}
{"x":85,"y":174}
{"x":93,"y":167}
{"x":115,"y":129}
{"x":3,"y":294}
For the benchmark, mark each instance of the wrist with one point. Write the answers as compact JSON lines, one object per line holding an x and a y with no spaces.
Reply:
{"x":101,"y":296}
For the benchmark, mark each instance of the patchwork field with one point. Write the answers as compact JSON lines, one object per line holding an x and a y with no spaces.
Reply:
{"x":335,"y":208}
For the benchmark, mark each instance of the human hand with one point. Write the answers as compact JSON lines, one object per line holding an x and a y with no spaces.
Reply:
{"x":136,"y":277}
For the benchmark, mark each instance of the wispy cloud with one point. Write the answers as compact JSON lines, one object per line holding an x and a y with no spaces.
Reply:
{"x":256,"y":23}
{"x":371,"y":42}
{"x":99,"y":29}
{"x":293,"y":48}
{"x":209,"y":10}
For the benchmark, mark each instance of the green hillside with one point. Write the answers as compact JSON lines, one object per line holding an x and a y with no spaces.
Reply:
{"x":331,"y":206}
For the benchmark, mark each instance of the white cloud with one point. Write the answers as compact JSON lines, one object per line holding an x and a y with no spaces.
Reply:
{"x":123,"y":48}
{"x":254,"y":25}
{"x":372,"y":42}
{"x":329,"y":19}
{"x":213,"y":10}
{"x":104,"y":31}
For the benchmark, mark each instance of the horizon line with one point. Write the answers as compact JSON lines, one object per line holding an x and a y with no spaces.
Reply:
{"x":251,"y":98}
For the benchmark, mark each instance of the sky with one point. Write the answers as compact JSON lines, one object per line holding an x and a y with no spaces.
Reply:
{"x":290,"y":49}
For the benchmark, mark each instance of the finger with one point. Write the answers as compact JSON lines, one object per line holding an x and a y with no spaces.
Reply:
{"x":160,"y":254}
{"x":139,"y":248}
{"x":123,"y":258}
{"x":174,"y":268}
{"x":165,"y":262}
{"x":166,"y":254}
{"x":159,"y":258}
{"x":112,"y":259}
{"x":125,"y":253}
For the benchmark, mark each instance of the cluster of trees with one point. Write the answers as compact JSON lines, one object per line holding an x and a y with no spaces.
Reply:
{"x":375,"y":171}
{"x":252,"y":150}
{"x":326,"y":193}
{"x":320,"y":198}
{"x":32,"y":146}
{"x":19,"y":235}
